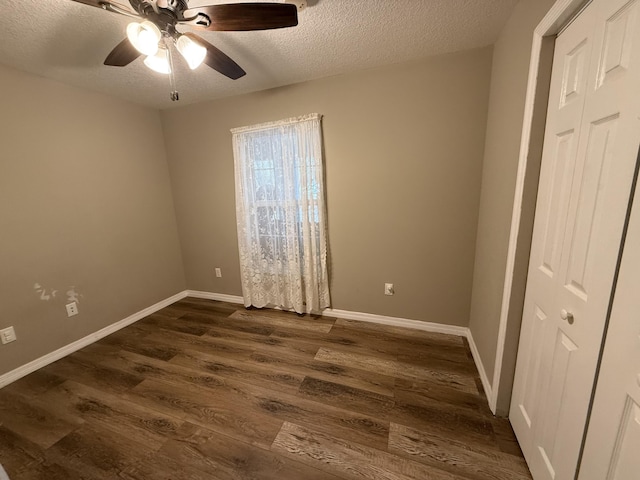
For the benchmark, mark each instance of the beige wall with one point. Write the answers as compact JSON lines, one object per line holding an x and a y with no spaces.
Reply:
{"x":403,"y":151}
{"x":504,"y":129}
{"x":85,"y":201}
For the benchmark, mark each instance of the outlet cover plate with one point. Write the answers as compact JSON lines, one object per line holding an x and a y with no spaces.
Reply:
{"x":72,"y":309}
{"x":8,"y":335}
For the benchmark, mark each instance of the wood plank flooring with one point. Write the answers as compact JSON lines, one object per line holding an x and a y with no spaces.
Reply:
{"x":210,"y":390}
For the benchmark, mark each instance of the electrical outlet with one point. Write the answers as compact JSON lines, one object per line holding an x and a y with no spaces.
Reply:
{"x":388,"y":289}
{"x":72,"y":309}
{"x":8,"y":335}
{"x":218,"y":272}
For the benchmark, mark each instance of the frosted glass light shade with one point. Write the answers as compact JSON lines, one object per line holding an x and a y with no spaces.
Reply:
{"x":144,"y":37}
{"x":193,"y":52}
{"x":159,"y":62}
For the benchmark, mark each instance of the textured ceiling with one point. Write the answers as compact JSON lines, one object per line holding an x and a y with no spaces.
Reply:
{"x":68,"y":41}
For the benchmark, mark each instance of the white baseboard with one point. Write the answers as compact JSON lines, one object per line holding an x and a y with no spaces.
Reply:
{"x":398,"y":322}
{"x":348,"y":315}
{"x":384,"y":320}
{"x":220,"y":297}
{"x":483,"y":373}
{"x":427,"y":327}
{"x":45,"y":360}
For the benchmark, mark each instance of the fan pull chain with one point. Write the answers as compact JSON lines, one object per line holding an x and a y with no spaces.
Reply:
{"x":175,"y":96}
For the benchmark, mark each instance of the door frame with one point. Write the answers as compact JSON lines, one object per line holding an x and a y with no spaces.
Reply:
{"x":524,"y":199}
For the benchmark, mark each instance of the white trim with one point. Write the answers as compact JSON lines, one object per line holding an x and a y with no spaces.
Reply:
{"x":349,"y":315}
{"x":426,"y":327}
{"x":480,"y":366}
{"x":383,"y":320}
{"x":398,"y":322}
{"x":561,"y":11}
{"x":220,"y":297}
{"x":45,"y":360}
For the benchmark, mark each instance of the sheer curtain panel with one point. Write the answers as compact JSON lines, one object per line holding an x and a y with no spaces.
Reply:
{"x":280,"y":210}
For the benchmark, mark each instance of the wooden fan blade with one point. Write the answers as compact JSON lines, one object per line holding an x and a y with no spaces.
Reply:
{"x":122,"y":55}
{"x":246,"y":16}
{"x":218,"y":60}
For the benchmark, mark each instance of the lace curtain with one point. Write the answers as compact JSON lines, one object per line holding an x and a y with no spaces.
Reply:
{"x":280,"y":211}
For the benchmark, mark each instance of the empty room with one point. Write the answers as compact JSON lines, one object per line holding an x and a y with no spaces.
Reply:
{"x":319,"y":239}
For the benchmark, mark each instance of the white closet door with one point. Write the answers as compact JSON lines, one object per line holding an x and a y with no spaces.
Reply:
{"x":612,"y":449}
{"x":591,"y":141}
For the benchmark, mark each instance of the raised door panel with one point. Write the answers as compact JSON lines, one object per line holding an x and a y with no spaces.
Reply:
{"x":589,"y":209}
{"x":574,"y":77}
{"x":618,"y":44}
{"x":561,"y":173}
{"x":528,"y":396}
{"x":625,"y":463}
{"x":555,"y":404}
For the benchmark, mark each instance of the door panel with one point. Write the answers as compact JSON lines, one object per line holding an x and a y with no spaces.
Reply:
{"x":561,"y":169}
{"x":528,"y":398}
{"x":626,"y":462}
{"x":590,"y":204}
{"x":574,"y":78}
{"x":618,"y":44}
{"x":555,"y":401}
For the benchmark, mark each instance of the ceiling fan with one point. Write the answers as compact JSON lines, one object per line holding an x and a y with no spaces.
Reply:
{"x":155,"y":32}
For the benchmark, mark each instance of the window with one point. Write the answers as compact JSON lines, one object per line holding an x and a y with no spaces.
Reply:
{"x":280,"y":211}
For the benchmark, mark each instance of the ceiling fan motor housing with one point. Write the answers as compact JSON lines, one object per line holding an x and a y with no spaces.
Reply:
{"x":174,"y":5}
{"x":165,"y":14}
{"x":145,"y":7}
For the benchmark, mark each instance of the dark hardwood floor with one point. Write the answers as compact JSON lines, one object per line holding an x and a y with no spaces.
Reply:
{"x":209,"y":390}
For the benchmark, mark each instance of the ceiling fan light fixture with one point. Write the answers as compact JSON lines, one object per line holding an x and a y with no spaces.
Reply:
{"x":144,"y":37}
{"x":193,"y":52}
{"x":159,"y":62}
